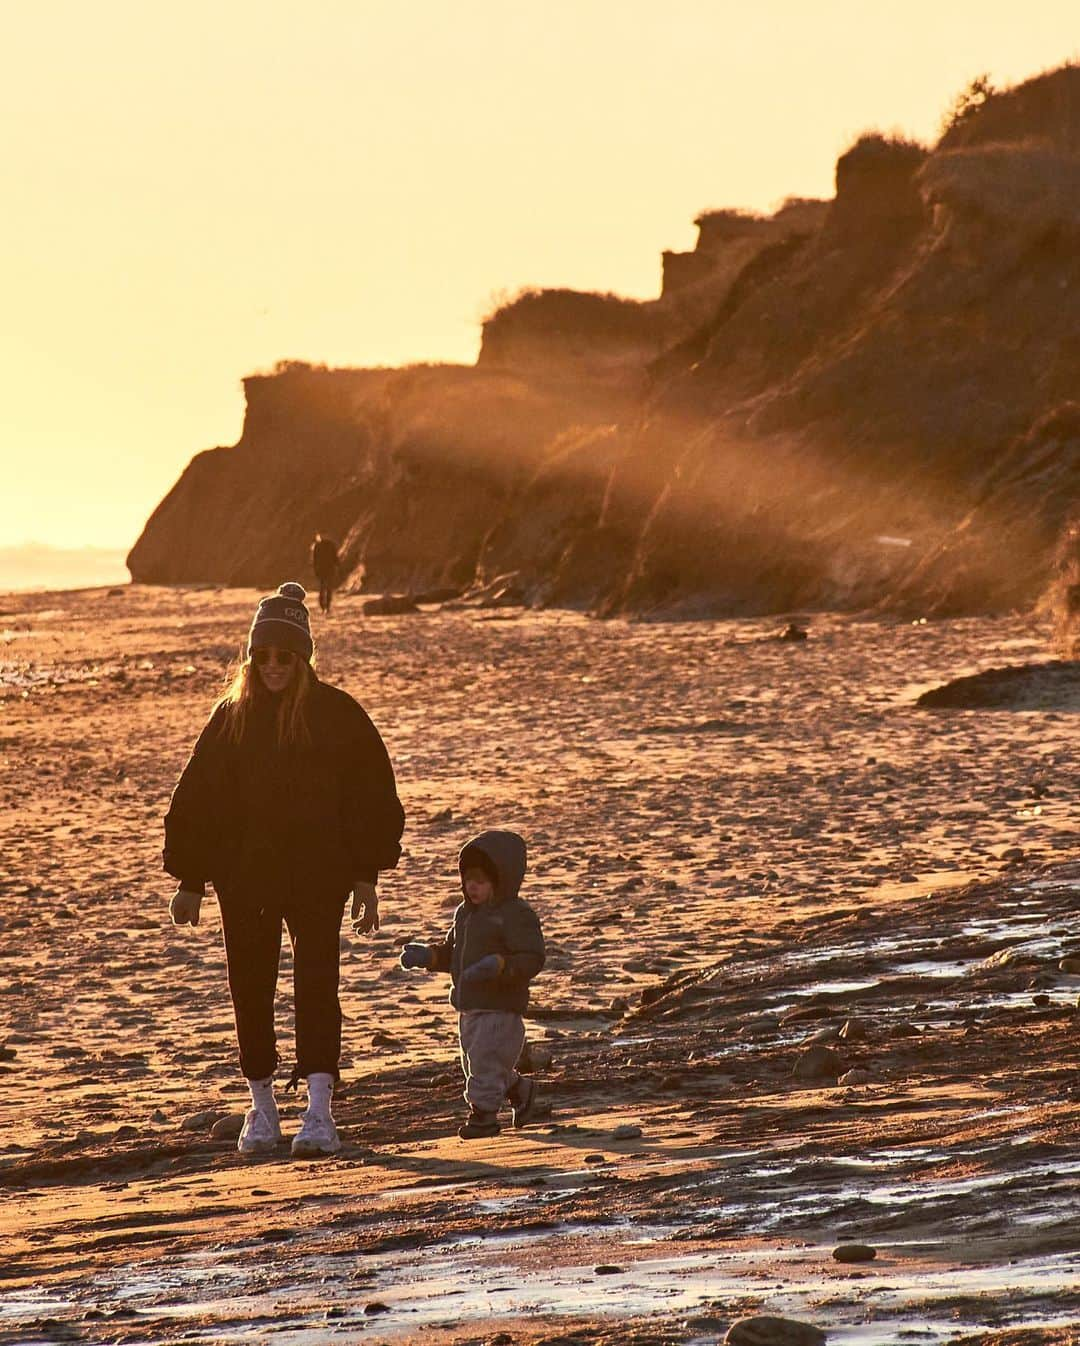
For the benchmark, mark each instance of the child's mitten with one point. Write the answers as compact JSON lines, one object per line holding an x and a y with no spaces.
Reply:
{"x":415,"y":955}
{"x":484,"y":968}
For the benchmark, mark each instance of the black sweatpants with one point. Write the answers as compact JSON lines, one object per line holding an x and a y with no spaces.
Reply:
{"x":253,"y":949}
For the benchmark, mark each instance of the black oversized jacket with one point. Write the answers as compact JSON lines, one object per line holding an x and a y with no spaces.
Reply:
{"x":293,"y":825}
{"x":506,"y":925}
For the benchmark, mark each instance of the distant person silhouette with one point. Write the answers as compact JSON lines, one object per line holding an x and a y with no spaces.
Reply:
{"x":287,"y":804}
{"x":324,"y":561}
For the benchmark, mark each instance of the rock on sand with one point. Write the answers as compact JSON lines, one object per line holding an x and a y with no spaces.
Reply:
{"x":765,"y":1331}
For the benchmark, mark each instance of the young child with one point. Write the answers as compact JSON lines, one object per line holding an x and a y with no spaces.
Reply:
{"x":492,"y":951}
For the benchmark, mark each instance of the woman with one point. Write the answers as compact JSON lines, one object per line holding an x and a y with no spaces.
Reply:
{"x":286,"y":805}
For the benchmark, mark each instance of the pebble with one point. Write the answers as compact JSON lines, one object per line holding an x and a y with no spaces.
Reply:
{"x":854,"y":1252}
{"x":762,"y":1023}
{"x":704,"y":1323}
{"x":797,"y":1016}
{"x":389,"y":605}
{"x":856,"y":1076}
{"x":374,"y":1306}
{"x":1041,"y":1000}
{"x":853,"y":1031}
{"x":626,"y":1132}
{"x":533,"y":1058}
{"x":818,"y":1062}
{"x":1012,"y":956}
{"x":7,"y":1053}
{"x":764,"y":1330}
{"x":199,"y":1121}
{"x":228,"y":1128}
{"x":608,"y":1269}
{"x":158,"y":1117}
{"x":1070,"y":965}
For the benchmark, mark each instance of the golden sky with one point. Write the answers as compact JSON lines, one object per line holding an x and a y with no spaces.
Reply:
{"x":196,"y":190}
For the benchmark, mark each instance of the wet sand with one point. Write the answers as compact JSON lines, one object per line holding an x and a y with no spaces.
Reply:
{"x":755,"y":860}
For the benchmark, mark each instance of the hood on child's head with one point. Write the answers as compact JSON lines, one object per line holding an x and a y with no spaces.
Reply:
{"x":505,"y":853}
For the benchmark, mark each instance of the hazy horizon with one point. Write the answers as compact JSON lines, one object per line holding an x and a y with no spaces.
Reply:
{"x":38,"y":565}
{"x":206,"y":192}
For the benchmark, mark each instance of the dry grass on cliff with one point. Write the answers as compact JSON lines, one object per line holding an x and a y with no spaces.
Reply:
{"x":565,"y":313}
{"x":733,"y":215}
{"x":877,"y":150}
{"x":1046,"y":107}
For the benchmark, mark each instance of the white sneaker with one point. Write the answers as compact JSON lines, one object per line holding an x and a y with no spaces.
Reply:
{"x":317,"y":1136}
{"x":261,"y":1132}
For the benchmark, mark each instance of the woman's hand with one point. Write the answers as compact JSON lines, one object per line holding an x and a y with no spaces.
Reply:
{"x":365,"y":908}
{"x":184,"y":907}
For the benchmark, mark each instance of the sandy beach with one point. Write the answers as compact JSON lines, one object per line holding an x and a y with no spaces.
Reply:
{"x":804,"y":990}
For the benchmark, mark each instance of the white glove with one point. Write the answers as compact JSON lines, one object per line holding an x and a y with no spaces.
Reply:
{"x":184,"y":907}
{"x":365,"y":908}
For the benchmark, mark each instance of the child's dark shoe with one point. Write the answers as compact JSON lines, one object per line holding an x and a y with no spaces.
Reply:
{"x":524,"y":1100}
{"x":479,"y":1124}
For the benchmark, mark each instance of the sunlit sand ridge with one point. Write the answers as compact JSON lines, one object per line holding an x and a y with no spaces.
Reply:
{"x":803,"y":990}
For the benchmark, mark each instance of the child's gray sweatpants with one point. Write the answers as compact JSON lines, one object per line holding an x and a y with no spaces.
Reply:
{"x":491,"y":1042}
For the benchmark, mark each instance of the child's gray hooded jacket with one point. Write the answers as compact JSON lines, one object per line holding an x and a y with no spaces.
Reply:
{"x":506,"y":925}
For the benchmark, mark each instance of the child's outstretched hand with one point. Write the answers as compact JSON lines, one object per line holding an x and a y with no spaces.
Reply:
{"x":415,"y":955}
{"x":484,"y":968}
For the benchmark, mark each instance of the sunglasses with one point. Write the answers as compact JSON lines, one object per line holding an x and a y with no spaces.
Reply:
{"x":269,"y":655}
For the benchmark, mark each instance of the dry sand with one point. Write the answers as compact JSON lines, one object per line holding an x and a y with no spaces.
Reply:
{"x":739,"y":846}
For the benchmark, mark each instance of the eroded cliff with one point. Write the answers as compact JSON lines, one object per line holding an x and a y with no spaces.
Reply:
{"x":867,"y":401}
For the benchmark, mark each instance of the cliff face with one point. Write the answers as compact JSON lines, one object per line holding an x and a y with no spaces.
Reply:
{"x":237,"y":514}
{"x":407,"y":468}
{"x":848,"y":403}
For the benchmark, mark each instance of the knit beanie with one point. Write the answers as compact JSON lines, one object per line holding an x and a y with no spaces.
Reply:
{"x":282,"y":620}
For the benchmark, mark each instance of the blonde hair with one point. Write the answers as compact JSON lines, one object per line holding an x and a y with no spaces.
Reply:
{"x":237,"y":699}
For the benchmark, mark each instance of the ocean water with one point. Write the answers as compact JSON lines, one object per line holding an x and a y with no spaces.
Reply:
{"x":40,"y":567}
